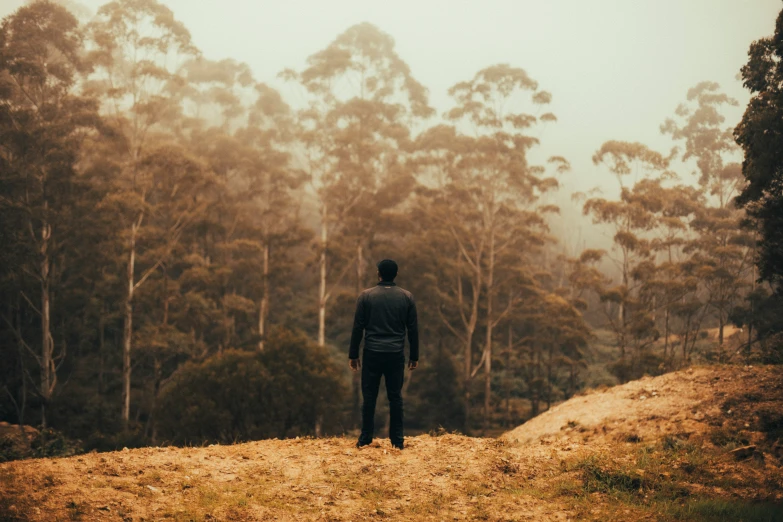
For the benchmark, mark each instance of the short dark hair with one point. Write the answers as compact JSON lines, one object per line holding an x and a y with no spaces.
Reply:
{"x":387,"y":269}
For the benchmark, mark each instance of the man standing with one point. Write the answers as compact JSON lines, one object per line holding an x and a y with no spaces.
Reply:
{"x":383,"y":314}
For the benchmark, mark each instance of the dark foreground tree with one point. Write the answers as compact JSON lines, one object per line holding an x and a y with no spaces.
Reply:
{"x":42,"y":124}
{"x":760,"y":134}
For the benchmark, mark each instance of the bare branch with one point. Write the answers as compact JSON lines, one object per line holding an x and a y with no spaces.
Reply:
{"x":450,"y":327}
{"x":505,"y":312}
{"x":480,"y":364}
{"x":21,"y":341}
{"x":339,"y":280}
{"x":24,"y":296}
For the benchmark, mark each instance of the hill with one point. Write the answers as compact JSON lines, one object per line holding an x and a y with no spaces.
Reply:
{"x":702,"y":444}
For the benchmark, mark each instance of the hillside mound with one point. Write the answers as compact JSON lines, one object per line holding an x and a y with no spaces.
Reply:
{"x":656,"y":449}
{"x":696,"y":401}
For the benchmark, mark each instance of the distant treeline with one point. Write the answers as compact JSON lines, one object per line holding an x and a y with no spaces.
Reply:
{"x":182,"y":249}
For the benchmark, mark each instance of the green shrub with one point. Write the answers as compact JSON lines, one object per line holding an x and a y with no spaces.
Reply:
{"x":52,"y":443}
{"x":723,"y":437}
{"x":285,"y":390}
{"x":725,"y":509}
{"x":8,"y":449}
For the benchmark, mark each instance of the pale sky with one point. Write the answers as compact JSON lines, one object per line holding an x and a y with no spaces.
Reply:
{"x":616,"y":68}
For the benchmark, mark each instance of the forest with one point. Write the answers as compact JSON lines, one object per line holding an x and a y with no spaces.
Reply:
{"x":183,"y":245}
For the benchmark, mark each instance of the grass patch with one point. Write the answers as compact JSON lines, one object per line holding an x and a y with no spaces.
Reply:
{"x":600,"y":478}
{"x":728,"y":438}
{"x":658,"y":483}
{"x":721,"y":510}
{"x":374,"y":494}
{"x":209,"y":498}
{"x":475,"y":489}
{"x":568,"y":487}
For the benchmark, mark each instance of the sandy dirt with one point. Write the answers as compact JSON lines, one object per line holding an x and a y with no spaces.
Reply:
{"x":679,"y":402}
{"x":434,"y":478}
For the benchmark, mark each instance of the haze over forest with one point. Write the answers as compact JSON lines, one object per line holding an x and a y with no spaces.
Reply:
{"x":193,"y":194}
{"x":614,"y":68}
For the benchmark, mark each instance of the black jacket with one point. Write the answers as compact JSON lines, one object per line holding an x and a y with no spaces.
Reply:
{"x":383,"y":314}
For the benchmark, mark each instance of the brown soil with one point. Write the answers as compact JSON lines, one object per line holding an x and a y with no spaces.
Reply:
{"x":685,"y":403}
{"x":530,"y":473}
{"x":300,"y":479}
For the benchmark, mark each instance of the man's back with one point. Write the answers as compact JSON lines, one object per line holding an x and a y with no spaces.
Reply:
{"x":384,"y":313}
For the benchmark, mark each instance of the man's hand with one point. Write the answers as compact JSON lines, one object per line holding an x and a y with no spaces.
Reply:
{"x":412,"y":365}
{"x":355,"y":364}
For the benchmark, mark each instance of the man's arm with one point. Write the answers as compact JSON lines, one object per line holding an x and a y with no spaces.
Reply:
{"x":359,"y":322}
{"x":413,"y":330}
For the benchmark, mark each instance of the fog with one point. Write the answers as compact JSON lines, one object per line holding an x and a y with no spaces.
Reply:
{"x":616,"y":68}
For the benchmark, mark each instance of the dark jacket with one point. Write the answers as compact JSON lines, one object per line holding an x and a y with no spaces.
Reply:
{"x":383,"y":313}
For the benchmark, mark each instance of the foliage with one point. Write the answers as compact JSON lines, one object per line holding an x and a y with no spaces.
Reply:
{"x":239,"y":395}
{"x":760,"y":138}
{"x":759,"y":135}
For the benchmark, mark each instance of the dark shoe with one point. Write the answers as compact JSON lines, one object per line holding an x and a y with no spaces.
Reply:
{"x":361,"y":444}
{"x":398,"y":446}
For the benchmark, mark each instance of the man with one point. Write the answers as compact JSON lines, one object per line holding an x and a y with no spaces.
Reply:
{"x":383,"y":314}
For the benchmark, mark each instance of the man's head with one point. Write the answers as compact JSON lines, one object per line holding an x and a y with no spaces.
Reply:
{"x":387,"y":270}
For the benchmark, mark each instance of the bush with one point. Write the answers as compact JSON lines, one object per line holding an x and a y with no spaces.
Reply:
{"x":286,"y":390}
{"x":52,"y":443}
{"x":596,"y":477}
{"x":435,"y":395}
{"x":9,"y":450}
{"x":637,"y":366}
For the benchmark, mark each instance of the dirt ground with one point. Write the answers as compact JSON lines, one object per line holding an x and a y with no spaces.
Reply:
{"x":687,"y":402}
{"x":302,"y":479}
{"x":542,"y":470}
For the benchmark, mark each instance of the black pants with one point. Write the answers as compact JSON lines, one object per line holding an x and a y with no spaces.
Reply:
{"x":392,"y":367}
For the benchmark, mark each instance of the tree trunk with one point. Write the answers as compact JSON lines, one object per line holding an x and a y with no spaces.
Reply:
{"x":685,"y":340}
{"x":356,"y":386}
{"x":666,"y":334}
{"x":488,"y":340}
{"x":263,"y":309}
{"x":101,"y":347}
{"x":752,"y":313}
{"x":150,"y":430}
{"x":621,"y":310}
{"x":535,"y":400}
{"x":549,"y":365}
{"x":508,"y":374}
{"x":322,"y":285}
{"x":360,"y":269}
{"x":48,"y":379}
{"x":469,"y":331}
{"x":127,"y":332}
{"x":23,"y":406}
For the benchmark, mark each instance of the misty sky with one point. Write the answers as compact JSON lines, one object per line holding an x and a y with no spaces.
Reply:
{"x":616,"y":68}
